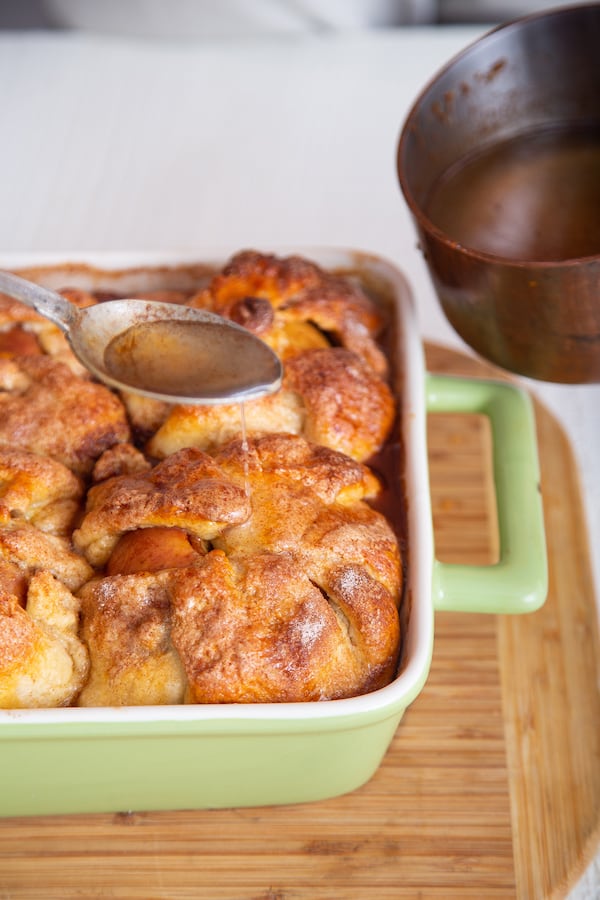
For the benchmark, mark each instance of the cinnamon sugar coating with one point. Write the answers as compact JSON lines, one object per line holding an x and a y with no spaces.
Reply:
{"x":296,"y":602}
{"x":324,"y":329}
{"x":348,"y":407}
{"x":32,"y":550}
{"x":39,"y":490}
{"x":298,"y":291}
{"x":188,"y":490}
{"x":329,"y":396}
{"x":126,"y":627}
{"x":42,"y":660}
{"x":40,"y":500}
{"x":258,"y":629}
{"x":148,"y":555}
{"x":46,"y":409}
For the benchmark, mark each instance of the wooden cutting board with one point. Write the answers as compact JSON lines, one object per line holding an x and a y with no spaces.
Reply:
{"x":490,"y":789}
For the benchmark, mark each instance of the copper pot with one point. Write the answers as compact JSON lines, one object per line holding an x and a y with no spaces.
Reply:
{"x":499,"y":163}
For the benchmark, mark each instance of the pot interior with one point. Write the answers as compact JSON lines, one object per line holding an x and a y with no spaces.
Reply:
{"x":526,"y":92}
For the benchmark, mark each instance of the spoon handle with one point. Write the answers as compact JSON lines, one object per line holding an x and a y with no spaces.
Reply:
{"x":45,"y":302}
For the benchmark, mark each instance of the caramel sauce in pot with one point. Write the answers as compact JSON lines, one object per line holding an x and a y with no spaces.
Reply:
{"x":535,"y":196}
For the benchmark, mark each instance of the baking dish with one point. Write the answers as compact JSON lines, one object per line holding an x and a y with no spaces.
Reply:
{"x":179,"y":757}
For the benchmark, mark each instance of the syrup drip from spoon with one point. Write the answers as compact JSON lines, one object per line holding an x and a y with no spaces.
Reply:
{"x":245,"y":449}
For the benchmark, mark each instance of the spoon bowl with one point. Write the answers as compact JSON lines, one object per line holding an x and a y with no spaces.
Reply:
{"x":165,"y":351}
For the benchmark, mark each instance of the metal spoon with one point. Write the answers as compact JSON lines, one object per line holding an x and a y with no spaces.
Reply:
{"x":161,"y":350}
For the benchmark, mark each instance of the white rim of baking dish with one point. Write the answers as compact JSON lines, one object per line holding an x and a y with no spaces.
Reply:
{"x":410,"y":390}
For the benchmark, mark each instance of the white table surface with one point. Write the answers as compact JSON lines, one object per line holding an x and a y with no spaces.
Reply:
{"x":118,"y":144}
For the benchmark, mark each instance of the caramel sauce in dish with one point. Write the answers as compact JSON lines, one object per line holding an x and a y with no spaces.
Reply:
{"x":535,"y":196}
{"x":188,"y":359}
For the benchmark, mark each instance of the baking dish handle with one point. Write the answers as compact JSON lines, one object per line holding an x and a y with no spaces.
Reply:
{"x":518,"y":581}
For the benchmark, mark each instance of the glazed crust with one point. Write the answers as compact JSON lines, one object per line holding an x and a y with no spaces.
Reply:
{"x":298,"y":291}
{"x":210,"y":427}
{"x":39,"y":490}
{"x":324,"y":329}
{"x":348,"y":407}
{"x":42,"y":660}
{"x":298,"y":601}
{"x":150,"y":555}
{"x":126,"y":628}
{"x":258,"y":629}
{"x":329,"y":396}
{"x":46,"y":409}
{"x":187,"y":490}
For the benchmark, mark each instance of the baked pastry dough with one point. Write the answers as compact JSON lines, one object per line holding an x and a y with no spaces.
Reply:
{"x":48,"y":410}
{"x":126,"y":626}
{"x":39,"y":490}
{"x":298,"y":291}
{"x":297,"y":601}
{"x":280,"y":636}
{"x":329,"y":396}
{"x":40,"y":499}
{"x":188,"y":490}
{"x":42,"y":660}
{"x":31,"y":550}
{"x":325,"y":331}
{"x":150,"y":554}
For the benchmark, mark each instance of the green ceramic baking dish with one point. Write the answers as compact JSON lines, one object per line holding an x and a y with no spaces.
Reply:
{"x":122,"y":759}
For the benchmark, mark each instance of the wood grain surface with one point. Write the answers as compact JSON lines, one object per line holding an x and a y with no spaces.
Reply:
{"x":490,"y":789}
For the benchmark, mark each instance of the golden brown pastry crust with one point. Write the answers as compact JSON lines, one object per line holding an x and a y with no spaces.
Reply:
{"x":46,"y":409}
{"x":42,"y":660}
{"x":120,"y":459}
{"x":324,"y":329}
{"x":309,"y":501}
{"x":207,"y":569}
{"x":210,"y":427}
{"x":295,"y":602}
{"x":40,"y":500}
{"x":259,"y":630}
{"x":348,"y":407}
{"x":39,"y":490}
{"x":299,"y":291}
{"x":329,"y":396}
{"x":187,"y":490}
{"x":31,"y":550}
{"x":126,"y":627}
{"x":145,"y":414}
